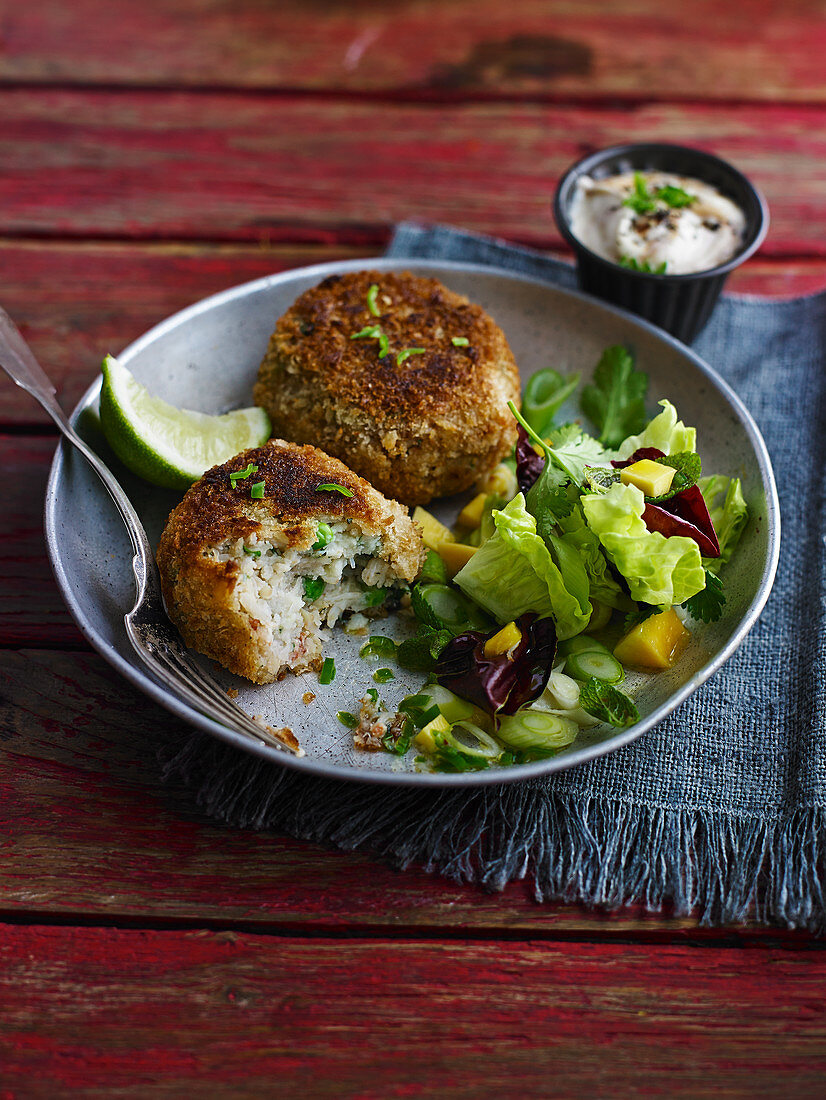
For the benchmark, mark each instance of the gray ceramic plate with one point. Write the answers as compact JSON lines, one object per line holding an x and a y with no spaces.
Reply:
{"x":206,"y":358}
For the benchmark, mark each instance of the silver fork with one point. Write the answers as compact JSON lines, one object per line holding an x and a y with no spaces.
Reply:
{"x":151,"y":633}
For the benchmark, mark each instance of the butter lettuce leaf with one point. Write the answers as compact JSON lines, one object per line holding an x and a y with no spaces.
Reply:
{"x":601,"y":584}
{"x":659,"y":571}
{"x":514,"y":571}
{"x":665,"y":432}
{"x":729,"y":514}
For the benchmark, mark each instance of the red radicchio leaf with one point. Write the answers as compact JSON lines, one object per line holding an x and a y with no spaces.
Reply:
{"x":684,"y":514}
{"x":500,"y":684}
{"x":638,"y":456}
{"x":529,"y":464}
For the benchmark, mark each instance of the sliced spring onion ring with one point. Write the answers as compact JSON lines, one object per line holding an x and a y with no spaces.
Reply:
{"x":472,"y":740}
{"x":536,"y":729}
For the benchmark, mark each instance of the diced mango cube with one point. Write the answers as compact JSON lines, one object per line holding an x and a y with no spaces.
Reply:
{"x":434,"y":533}
{"x":652,"y":478}
{"x":505,"y":640}
{"x":471,"y":514}
{"x":501,"y":482}
{"x":455,"y":555}
{"x":424,"y":740}
{"x":654,"y":644}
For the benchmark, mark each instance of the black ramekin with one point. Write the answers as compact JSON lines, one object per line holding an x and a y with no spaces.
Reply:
{"x":681,"y":304}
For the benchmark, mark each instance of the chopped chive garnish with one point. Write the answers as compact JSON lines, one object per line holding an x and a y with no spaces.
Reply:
{"x":377,"y":645}
{"x":384,"y":345}
{"x":459,"y":341}
{"x":328,"y":671}
{"x":324,"y":536}
{"x":313,"y":587}
{"x":257,"y":490}
{"x":347,"y":719}
{"x":426,"y":716}
{"x":240,"y":475}
{"x":413,"y":703}
{"x":331,"y":486}
{"x":400,"y":358}
{"x":370,"y":332}
{"x":252,"y":553}
{"x":371,"y":300}
{"x":383,"y":675}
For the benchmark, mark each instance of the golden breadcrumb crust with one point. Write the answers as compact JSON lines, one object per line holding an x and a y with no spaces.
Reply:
{"x":428,"y":426}
{"x":199,"y":590}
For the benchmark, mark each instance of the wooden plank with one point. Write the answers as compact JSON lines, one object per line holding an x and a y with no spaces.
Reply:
{"x":31,"y":610}
{"x":112,"y":1012}
{"x":91,"y":830}
{"x":75,"y":301}
{"x":757,"y":50}
{"x":286,"y":169}
{"x":102,"y":296}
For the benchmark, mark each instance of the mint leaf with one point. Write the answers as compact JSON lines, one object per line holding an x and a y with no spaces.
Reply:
{"x":615,"y":400}
{"x":687,"y":466}
{"x":707,"y":606}
{"x":422,"y":651}
{"x":608,"y":703}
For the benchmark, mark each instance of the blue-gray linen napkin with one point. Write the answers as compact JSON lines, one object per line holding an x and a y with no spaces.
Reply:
{"x":721,"y":808}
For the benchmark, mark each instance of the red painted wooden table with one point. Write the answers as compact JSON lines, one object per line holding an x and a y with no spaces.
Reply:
{"x":153,"y":153}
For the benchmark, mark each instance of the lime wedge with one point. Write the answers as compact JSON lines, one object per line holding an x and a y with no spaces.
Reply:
{"x":168,"y":446}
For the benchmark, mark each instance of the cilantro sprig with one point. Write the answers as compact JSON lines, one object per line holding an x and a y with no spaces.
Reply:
{"x":633,"y":264}
{"x":707,"y":605}
{"x":642,"y":200}
{"x":608,"y":703}
{"x":615,"y":400}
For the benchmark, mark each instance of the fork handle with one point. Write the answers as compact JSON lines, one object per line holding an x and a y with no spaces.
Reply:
{"x":18,"y":361}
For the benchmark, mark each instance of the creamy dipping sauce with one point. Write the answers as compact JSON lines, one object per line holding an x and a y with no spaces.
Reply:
{"x":657,"y":222}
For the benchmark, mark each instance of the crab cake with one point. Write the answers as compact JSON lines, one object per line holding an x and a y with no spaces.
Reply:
{"x":273,"y":545}
{"x":408,"y":383}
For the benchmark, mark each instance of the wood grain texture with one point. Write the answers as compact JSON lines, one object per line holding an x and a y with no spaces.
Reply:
{"x":756,"y":49}
{"x":119,"y":1012}
{"x":102,"y":296}
{"x":30,"y":605}
{"x":92,"y":831}
{"x":263,"y":168}
{"x":90,"y":828}
{"x":76,"y":301}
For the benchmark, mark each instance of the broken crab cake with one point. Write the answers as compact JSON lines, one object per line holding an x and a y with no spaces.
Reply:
{"x":272,"y":546}
{"x":404,"y":379}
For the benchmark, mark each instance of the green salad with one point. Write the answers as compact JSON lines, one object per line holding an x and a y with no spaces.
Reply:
{"x":586,"y":555}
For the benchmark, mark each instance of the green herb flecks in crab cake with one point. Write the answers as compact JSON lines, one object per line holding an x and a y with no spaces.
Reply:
{"x":250,"y":579}
{"x":398,"y":376}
